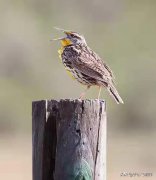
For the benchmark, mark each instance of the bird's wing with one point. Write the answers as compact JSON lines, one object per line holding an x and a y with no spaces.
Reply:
{"x":91,"y":65}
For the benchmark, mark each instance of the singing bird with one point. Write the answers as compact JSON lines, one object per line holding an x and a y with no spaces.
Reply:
{"x":85,"y":65}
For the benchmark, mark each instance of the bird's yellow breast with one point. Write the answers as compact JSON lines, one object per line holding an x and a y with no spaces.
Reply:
{"x":64,"y":43}
{"x":60,"y":51}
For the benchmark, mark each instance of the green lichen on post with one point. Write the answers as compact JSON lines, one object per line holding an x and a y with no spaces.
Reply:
{"x":80,"y":171}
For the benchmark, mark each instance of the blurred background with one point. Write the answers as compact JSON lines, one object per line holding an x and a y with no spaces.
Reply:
{"x":123,"y":32}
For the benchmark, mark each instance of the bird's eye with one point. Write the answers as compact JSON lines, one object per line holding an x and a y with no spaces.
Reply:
{"x":72,"y":35}
{"x":75,"y":36}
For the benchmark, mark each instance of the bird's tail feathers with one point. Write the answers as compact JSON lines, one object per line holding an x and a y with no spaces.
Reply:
{"x":114,"y":93}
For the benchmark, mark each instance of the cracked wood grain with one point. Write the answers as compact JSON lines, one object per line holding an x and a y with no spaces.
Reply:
{"x":69,"y":140}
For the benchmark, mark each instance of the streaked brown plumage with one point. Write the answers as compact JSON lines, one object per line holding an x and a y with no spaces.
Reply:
{"x":85,"y":65}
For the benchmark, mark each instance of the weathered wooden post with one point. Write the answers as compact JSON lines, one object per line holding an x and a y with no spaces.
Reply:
{"x":69,"y":140}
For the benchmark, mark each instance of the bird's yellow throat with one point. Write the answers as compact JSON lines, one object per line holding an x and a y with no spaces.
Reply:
{"x":64,"y":42}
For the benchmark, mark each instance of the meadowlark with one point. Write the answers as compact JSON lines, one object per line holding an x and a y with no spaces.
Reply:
{"x":85,"y":65}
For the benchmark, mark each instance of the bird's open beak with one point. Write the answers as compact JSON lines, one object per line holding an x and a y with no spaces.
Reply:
{"x":57,"y":39}
{"x":67,"y":32}
{"x":64,"y":40}
{"x":64,"y":31}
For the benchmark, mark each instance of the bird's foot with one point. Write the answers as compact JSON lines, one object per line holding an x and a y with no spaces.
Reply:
{"x":82,"y":95}
{"x":99,"y":93}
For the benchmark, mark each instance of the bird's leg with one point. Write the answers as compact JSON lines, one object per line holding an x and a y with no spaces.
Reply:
{"x":83,"y":93}
{"x":99,"y":92}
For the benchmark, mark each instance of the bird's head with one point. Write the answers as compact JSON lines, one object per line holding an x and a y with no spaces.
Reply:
{"x":71,"y":38}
